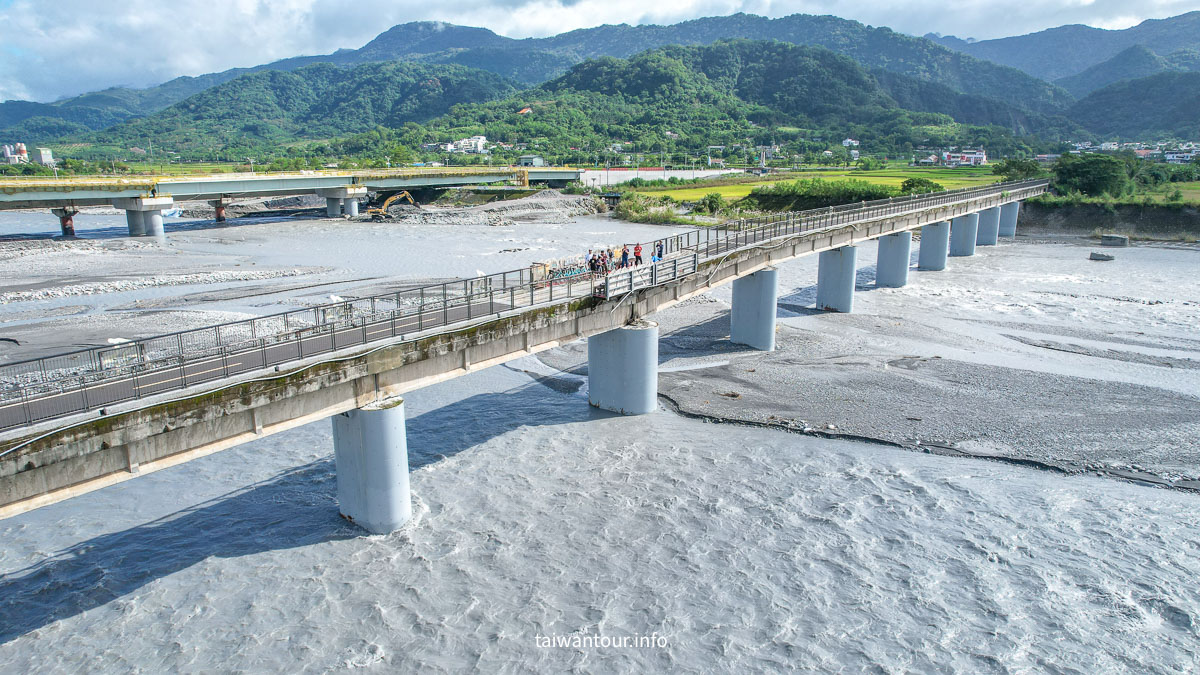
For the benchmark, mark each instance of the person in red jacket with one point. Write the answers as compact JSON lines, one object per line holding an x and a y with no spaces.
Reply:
{"x":637,"y":254}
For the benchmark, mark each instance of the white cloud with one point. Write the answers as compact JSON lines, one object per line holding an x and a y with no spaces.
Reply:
{"x":59,"y":48}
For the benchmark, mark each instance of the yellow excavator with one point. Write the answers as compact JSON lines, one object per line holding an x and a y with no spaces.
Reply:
{"x":382,"y":210}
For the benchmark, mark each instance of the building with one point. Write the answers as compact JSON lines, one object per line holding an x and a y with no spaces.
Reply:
{"x":474,"y":144}
{"x":45,"y":157}
{"x":849,"y":142}
{"x":16,"y":154}
{"x":1179,"y":156}
{"x":964,"y":158}
{"x":531,"y":160}
{"x":1109,"y":147}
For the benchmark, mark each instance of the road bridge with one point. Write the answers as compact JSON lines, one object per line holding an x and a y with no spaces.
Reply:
{"x":83,"y":420}
{"x":144,"y":198}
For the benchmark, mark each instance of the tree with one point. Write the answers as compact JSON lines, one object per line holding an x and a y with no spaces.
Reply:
{"x":916,"y":186}
{"x":711,"y":202}
{"x":1092,"y":175}
{"x":1017,"y":169}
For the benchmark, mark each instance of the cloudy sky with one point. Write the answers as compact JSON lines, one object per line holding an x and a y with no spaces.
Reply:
{"x":56,"y":48}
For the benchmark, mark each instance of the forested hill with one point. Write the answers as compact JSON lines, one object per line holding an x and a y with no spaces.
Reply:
{"x":730,"y":93}
{"x":1066,"y":50}
{"x":1162,"y":105}
{"x":1133,"y":63}
{"x":317,"y":101}
{"x":532,"y":61}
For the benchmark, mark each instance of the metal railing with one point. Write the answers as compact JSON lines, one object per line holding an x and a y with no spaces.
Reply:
{"x":88,"y":379}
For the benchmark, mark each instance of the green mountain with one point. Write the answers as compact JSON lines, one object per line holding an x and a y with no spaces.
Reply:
{"x":1137,"y":61}
{"x":677,"y":98}
{"x":532,"y":61}
{"x":1060,"y":52}
{"x":313,"y":102}
{"x":1162,"y":105}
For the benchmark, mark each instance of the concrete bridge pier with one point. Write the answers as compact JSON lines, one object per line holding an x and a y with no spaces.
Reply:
{"x":989,"y":227}
{"x":835,"y":279}
{"x":335,"y":198}
{"x":66,"y":219}
{"x":219,"y":209}
{"x":370,"y":449}
{"x":891,"y":265}
{"x":143,"y":215}
{"x":935,"y":244}
{"x":153,"y":221}
{"x":752,"y":317}
{"x":623,"y":369}
{"x":136,"y":222}
{"x":1008,"y":219}
{"x":963,"y":232}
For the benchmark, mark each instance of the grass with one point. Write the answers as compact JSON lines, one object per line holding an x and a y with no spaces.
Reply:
{"x":737,"y":188}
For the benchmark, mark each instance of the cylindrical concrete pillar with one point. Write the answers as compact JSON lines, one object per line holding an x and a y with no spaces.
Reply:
{"x":351,"y":205}
{"x":935,"y":244}
{"x":623,"y":369}
{"x":891,"y":266}
{"x":1008,"y":219}
{"x":835,"y":279}
{"x":989,"y":227}
{"x":963,"y":231}
{"x":136,"y":222}
{"x":153,"y":221}
{"x":220,"y":214}
{"x":752,"y":317}
{"x":333,"y":207}
{"x":370,"y":448}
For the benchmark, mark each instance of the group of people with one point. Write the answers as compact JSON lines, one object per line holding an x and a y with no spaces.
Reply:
{"x":608,"y":260}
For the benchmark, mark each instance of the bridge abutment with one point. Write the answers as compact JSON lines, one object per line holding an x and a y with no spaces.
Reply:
{"x":623,"y":369}
{"x":351,"y":206}
{"x":333,"y":207}
{"x":752,"y":316}
{"x":935,"y":244}
{"x":370,"y":448}
{"x":835,"y":279}
{"x":143,"y":215}
{"x":963,"y":232}
{"x":891,"y":265}
{"x":1008,"y":219}
{"x":989,"y":227}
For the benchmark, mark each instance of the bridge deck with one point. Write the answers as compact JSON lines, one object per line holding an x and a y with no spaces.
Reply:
{"x":40,"y":192}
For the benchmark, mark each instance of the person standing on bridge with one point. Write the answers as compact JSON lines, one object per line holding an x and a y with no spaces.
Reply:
{"x":658,"y":249}
{"x":637,"y":254}
{"x":625,"y":256}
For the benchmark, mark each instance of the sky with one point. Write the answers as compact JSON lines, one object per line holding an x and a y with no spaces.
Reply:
{"x":51,"y":49}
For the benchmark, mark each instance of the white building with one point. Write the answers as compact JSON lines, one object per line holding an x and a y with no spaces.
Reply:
{"x":1106,"y":147}
{"x":474,"y":144}
{"x":965,"y":158}
{"x":849,"y":142}
{"x":1179,"y":156}
{"x":45,"y":157}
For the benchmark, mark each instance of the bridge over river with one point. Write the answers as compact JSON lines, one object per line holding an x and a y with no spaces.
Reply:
{"x":83,"y":420}
{"x":144,"y":198}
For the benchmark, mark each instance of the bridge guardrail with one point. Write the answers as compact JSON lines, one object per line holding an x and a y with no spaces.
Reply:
{"x":54,"y":386}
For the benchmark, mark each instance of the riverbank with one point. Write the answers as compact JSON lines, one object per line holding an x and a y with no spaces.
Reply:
{"x":1141,"y":221}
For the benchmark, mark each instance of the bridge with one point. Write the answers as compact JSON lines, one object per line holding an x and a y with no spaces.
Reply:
{"x":84,"y":420}
{"x":144,"y":198}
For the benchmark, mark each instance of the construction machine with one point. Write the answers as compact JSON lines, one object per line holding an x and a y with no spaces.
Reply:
{"x":382,"y":210}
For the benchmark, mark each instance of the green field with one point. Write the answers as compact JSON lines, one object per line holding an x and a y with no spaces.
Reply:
{"x":893,"y":177}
